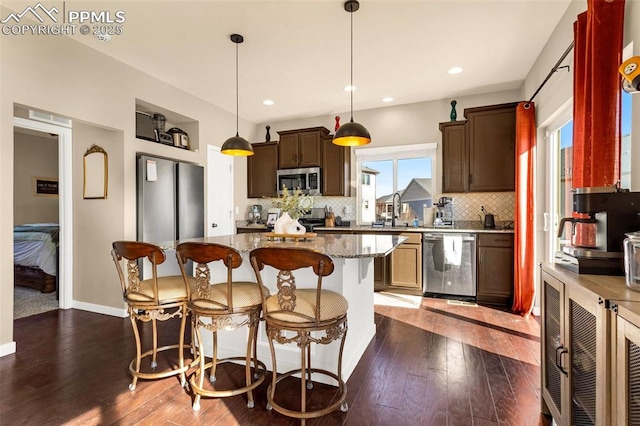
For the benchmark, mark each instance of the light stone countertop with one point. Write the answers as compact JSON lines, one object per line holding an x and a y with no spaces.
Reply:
{"x":333,"y":245}
{"x":462,"y":226}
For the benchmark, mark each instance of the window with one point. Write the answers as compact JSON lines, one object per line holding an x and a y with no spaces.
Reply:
{"x":561,"y":143}
{"x":406,"y":170}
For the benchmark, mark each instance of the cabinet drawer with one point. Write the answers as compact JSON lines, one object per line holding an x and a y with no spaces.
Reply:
{"x":412,"y":237}
{"x":495,"y":240}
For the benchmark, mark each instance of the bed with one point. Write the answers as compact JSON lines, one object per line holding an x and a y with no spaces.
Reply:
{"x":35,"y":256}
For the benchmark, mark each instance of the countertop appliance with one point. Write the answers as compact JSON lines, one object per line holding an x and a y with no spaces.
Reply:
{"x":170,"y":205}
{"x":313,"y":219}
{"x":597,"y":242}
{"x":449,"y":264}
{"x":444,"y":212}
{"x":307,"y":179}
{"x":144,"y":127}
{"x":180,"y":137}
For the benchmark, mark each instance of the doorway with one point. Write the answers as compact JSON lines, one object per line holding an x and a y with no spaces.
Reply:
{"x":219,"y":193}
{"x":65,"y":200}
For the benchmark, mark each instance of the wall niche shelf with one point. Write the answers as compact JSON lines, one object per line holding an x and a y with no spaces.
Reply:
{"x":173,"y":119}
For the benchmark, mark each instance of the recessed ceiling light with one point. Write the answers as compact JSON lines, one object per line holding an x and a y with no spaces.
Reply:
{"x":455,"y":70}
{"x":387,"y":99}
{"x":349,"y":88}
{"x":268,"y":102}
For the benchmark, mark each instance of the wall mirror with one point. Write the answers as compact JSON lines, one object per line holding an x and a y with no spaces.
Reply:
{"x":95,"y":173}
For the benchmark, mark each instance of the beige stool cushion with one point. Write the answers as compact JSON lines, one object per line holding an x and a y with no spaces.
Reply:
{"x":169,"y":289}
{"x":332,"y":305}
{"x":245,"y":295}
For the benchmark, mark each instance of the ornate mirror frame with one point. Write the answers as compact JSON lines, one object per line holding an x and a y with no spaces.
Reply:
{"x":96,"y":173}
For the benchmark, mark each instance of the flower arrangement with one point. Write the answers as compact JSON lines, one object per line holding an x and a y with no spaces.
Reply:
{"x":295,"y":203}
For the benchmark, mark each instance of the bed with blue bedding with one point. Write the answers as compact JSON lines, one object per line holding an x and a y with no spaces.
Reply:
{"x":35,"y":255}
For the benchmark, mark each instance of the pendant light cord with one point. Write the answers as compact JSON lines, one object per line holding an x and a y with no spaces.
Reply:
{"x":237,"y":96}
{"x":352,"y":88}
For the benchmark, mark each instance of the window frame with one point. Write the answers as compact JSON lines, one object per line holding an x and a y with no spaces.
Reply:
{"x":392,"y":153}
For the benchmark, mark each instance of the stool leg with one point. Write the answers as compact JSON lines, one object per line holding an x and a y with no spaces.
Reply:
{"x":247,"y":367}
{"x":201,"y":370}
{"x":154,"y":362}
{"x":274,"y":369}
{"x":183,"y":325}
{"x":303,"y":373}
{"x":214,"y":360}
{"x":136,"y":333}
{"x":309,"y":382}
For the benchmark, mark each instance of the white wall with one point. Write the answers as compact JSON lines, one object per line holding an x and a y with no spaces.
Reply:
{"x":59,"y":75}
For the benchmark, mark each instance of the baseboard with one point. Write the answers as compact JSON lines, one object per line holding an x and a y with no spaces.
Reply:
{"x":7,"y":349}
{"x":100,"y":309}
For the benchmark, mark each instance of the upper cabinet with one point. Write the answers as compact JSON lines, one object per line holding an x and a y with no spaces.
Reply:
{"x":336,"y":168}
{"x":261,"y":170}
{"x":479,"y":154}
{"x":301,"y":148}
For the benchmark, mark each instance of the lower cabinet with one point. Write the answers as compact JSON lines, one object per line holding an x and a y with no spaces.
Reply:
{"x":626,"y":399}
{"x":576,"y":352}
{"x":406,"y":263}
{"x":495,"y":268}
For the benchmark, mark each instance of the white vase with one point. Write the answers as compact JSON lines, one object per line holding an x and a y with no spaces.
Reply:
{"x":286,"y":225}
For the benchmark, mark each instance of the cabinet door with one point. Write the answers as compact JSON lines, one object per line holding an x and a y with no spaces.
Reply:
{"x":589,"y":383}
{"x":495,"y":269}
{"x":380,"y":273}
{"x":406,"y":263}
{"x":627,"y":408}
{"x":554,"y":375}
{"x":309,"y":149}
{"x":288,"y":151}
{"x":336,"y":169}
{"x":455,"y":175}
{"x":261,"y":170}
{"x":492,"y":132}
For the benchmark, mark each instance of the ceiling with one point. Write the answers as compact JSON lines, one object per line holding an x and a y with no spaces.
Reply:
{"x":297,"y":53}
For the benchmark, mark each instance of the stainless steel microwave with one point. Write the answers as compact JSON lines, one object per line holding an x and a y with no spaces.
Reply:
{"x":307,"y":179}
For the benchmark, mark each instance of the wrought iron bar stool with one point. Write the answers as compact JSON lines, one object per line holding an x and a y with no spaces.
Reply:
{"x":151,"y":300}
{"x":301,"y":311}
{"x":228,"y":305}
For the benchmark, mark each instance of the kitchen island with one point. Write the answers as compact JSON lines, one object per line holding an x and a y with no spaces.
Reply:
{"x":352,"y":277}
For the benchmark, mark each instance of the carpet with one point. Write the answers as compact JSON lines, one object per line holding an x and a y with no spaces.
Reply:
{"x":28,"y":301}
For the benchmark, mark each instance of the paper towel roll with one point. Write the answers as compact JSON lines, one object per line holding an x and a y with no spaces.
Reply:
{"x":428,"y":213}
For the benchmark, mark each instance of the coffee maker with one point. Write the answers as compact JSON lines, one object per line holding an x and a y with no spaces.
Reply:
{"x":444,"y":213}
{"x":607,"y":214}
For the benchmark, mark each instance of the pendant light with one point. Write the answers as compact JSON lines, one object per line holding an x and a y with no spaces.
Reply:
{"x":237,"y":145}
{"x":351,"y":133}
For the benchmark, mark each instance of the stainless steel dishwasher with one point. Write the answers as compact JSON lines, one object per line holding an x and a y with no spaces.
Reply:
{"x":449,"y":264}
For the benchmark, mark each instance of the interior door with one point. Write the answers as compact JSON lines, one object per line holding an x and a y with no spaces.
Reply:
{"x":219,"y":193}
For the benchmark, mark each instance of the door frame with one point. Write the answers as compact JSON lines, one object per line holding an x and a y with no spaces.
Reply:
{"x":65,"y":203}
{"x":214,"y":170}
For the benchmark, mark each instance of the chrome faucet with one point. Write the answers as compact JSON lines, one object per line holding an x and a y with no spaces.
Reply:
{"x":394,"y":213}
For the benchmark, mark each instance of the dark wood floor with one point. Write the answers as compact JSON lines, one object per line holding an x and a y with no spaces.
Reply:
{"x":441,"y":364}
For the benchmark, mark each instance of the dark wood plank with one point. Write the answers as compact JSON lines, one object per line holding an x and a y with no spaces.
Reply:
{"x":441,"y":364}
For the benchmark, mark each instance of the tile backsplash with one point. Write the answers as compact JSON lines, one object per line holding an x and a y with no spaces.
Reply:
{"x":468,"y":206}
{"x":465,"y":206}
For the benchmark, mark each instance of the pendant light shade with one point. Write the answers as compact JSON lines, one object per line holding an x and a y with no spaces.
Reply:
{"x":351,"y":133}
{"x":237,"y":145}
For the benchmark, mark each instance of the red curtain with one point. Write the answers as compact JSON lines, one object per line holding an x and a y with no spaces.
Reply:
{"x":596,"y":93}
{"x":524,"y":289}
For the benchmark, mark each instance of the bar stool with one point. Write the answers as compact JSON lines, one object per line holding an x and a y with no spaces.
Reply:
{"x":228,"y":305}
{"x":301,"y":311}
{"x":151,"y":300}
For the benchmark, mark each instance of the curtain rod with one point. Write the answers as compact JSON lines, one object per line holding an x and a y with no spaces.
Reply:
{"x":554,"y":69}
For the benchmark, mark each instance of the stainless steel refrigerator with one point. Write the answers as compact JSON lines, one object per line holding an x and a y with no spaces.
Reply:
{"x":170,"y":205}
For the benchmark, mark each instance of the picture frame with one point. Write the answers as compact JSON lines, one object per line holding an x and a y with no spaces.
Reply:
{"x":271,"y":218}
{"x":96,"y":173}
{"x":45,"y":186}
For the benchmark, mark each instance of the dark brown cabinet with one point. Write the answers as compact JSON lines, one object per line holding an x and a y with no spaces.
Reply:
{"x":336,"y":169}
{"x":301,"y":148}
{"x":454,"y":157}
{"x":492,"y":147}
{"x":261,"y":170}
{"x":495,"y":269}
{"x":479,"y":154}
